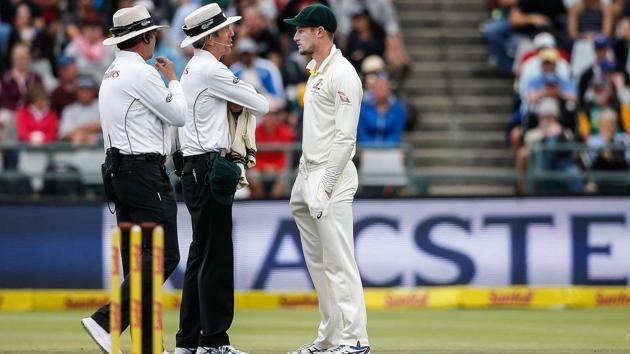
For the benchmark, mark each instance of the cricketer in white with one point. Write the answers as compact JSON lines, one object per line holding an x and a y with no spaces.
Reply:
{"x":323,"y":193}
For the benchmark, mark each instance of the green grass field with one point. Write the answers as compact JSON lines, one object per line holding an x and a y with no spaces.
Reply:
{"x":403,"y":331}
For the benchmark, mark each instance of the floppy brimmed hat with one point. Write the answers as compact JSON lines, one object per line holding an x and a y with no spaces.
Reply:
{"x":130,"y":22}
{"x":203,"y":21}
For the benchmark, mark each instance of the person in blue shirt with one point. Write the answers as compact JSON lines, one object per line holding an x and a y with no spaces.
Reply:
{"x":382,"y":117}
{"x":263,"y":74}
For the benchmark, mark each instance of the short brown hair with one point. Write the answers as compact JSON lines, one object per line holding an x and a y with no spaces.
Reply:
{"x":35,"y":92}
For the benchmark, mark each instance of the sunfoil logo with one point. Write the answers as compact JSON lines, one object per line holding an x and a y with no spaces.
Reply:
{"x":300,"y":300}
{"x":86,"y":303}
{"x":407,"y":300}
{"x":616,"y":299}
{"x":513,"y":297}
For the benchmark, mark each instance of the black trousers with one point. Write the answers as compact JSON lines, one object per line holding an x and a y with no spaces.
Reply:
{"x":207,"y":307}
{"x":145,"y":195}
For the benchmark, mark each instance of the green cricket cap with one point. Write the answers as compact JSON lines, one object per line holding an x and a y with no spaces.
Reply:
{"x":314,"y":16}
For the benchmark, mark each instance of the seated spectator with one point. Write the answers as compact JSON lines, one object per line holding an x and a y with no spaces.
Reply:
{"x":384,"y":14}
{"x":546,"y":57}
{"x":25,"y":30}
{"x":259,"y":72}
{"x":549,"y":69}
{"x":29,"y":29}
{"x":529,"y":65}
{"x":529,"y":17}
{"x":77,"y":12}
{"x":566,"y":117}
{"x":16,"y":81}
{"x":603,"y":64}
{"x":36,"y":122}
{"x":551,"y":85}
{"x":604,"y":157}
{"x":382,"y":117}
{"x":586,"y":18}
{"x":549,"y":133}
{"x":498,"y":34}
{"x":92,"y":56}
{"x":551,"y":88}
{"x":604,"y":93}
{"x":609,"y":150}
{"x":271,"y":164}
{"x":14,"y":84}
{"x":65,"y":93}
{"x":255,"y":26}
{"x":583,"y":55}
{"x":532,"y":16}
{"x":370,"y":68}
{"x":80,"y":122}
{"x":366,"y":38}
{"x":294,"y":73}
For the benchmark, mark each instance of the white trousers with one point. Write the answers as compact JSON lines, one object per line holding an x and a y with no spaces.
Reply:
{"x":328,"y":246}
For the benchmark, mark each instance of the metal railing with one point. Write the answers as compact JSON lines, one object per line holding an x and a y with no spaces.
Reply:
{"x":555,"y":166}
{"x":49,"y":159}
{"x":539,"y":179}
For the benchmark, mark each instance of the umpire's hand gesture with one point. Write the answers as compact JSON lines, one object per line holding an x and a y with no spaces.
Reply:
{"x":166,"y":67}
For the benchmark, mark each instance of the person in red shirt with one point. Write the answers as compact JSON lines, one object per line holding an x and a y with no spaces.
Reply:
{"x":36,"y":122}
{"x":16,"y":81}
{"x":272,"y":130}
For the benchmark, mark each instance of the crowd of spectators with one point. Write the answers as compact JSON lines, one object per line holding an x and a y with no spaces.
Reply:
{"x":569,"y":60}
{"x":52,"y":60}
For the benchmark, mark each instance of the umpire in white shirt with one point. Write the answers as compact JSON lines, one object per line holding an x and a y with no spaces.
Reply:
{"x":136,"y":111}
{"x":322,"y":196}
{"x":209,"y":181}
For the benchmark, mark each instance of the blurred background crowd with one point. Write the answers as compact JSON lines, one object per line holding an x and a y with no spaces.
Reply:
{"x":52,"y":60}
{"x":569,"y":61}
{"x":436,"y":129}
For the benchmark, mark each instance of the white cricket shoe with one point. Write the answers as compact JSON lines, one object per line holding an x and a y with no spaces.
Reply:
{"x":224,"y":349}
{"x":100,"y":336}
{"x":179,"y":350}
{"x":349,"y":349}
{"x":308,"y":349}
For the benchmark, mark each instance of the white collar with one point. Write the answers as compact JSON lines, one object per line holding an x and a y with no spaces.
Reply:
{"x":311,"y":65}
{"x":131,"y":55}
{"x":205,"y":53}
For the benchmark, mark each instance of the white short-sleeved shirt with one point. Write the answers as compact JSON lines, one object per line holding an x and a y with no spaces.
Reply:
{"x":209,"y":85}
{"x":136,"y":108}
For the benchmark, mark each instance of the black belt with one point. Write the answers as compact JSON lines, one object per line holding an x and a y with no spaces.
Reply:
{"x":201,"y":157}
{"x":151,"y":157}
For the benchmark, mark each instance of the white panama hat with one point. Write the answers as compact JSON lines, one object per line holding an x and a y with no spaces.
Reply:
{"x":203,"y":21}
{"x":130,"y":22}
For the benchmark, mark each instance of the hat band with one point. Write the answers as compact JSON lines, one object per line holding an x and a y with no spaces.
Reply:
{"x":135,"y":26}
{"x":205,"y":25}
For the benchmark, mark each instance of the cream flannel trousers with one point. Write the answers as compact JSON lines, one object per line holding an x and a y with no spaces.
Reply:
{"x":328,"y":247}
